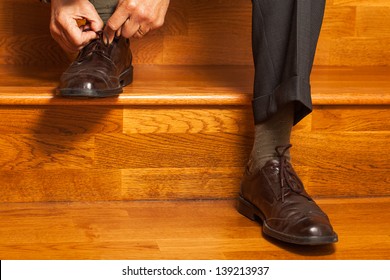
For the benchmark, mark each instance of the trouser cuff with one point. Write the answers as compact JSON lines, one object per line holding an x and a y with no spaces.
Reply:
{"x":295,"y":89}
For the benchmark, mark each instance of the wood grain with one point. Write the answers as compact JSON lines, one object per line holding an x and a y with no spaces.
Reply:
{"x":373,"y":22}
{"x":60,"y":120}
{"x":357,"y":159}
{"x":361,"y":3}
{"x":26,"y":151}
{"x":202,"y":32}
{"x":343,"y":160}
{"x":123,"y":151}
{"x":188,"y":120}
{"x":181,"y":183}
{"x":180,"y":230}
{"x":51,"y":185}
{"x":338,"y":22}
{"x":344,"y":118}
{"x":184,"y":132}
{"x":360,"y":51}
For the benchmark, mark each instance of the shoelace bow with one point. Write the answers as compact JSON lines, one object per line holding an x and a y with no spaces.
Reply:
{"x":288,"y":178}
{"x":99,"y":45}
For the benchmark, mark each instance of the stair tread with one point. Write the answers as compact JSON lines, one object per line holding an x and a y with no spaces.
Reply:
{"x":197,"y":85}
{"x":180,"y":230}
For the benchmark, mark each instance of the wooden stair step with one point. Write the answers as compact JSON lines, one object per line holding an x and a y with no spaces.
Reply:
{"x":197,"y":85}
{"x":184,"y":132}
{"x":180,"y":230}
{"x":207,"y":32}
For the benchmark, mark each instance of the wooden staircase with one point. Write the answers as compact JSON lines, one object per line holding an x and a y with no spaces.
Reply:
{"x":154,"y":174}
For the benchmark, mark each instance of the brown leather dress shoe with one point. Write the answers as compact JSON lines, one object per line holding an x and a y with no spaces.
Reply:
{"x":276,"y":196}
{"x":100,"y":70}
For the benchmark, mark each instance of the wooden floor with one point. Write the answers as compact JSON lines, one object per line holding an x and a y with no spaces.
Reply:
{"x":180,"y":230}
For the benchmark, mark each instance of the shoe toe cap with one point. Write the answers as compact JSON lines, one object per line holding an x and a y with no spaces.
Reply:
{"x":85,"y":82}
{"x":317,"y":229}
{"x":310,"y":229}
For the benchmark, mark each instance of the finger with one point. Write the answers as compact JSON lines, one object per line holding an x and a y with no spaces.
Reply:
{"x":130,"y":27}
{"x":110,"y":33}
{"x":88,"y":36}
{"x":114,"y":23}
{"x":141,"y":32}
{"x":77,"y":37}
{"x":96,"y":24}
{"x":118,"y":32}
{"x":59,"y":37}
{"x":93,"y":18}
{"x":119,"y":17}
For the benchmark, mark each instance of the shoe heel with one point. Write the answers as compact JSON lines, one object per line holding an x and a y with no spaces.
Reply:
{"x":126,"y":77}
{"x":246,"y":209}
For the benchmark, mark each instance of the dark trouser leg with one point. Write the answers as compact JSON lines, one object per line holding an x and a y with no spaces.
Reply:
{"x":105,"y":8}
{"x":285,"y":35}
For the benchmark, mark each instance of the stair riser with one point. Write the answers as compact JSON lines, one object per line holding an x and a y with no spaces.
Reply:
{"x":98,"y":153}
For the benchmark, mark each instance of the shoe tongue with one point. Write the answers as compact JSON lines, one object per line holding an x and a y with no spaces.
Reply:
{"x":291,"y":182}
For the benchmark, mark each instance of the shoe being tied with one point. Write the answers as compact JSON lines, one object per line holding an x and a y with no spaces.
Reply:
{"x":277,"y":197}
{"x":100,"y":69}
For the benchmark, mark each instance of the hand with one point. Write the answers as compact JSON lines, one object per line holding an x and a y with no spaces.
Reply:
{"x":135,"y":18}
{"x":64,"y":25}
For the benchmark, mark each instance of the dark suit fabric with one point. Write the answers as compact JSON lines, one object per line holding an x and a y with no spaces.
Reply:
{"x":105,"y":8}
{"x":285,"y":35}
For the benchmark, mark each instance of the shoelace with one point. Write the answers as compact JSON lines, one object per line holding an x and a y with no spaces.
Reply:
{"x":288,"y":178}
{"x":99,"y":45}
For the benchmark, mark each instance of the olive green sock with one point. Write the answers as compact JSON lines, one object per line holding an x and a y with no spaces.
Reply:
{"x":269,"y":134}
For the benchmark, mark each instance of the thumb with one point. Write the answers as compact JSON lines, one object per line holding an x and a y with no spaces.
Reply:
{"x":97,"y":24}
{"x":88,"y":36}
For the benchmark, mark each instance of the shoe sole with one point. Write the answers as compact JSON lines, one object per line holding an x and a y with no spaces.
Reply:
{"x":125,"y":79}
{"x":250,"y":211}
